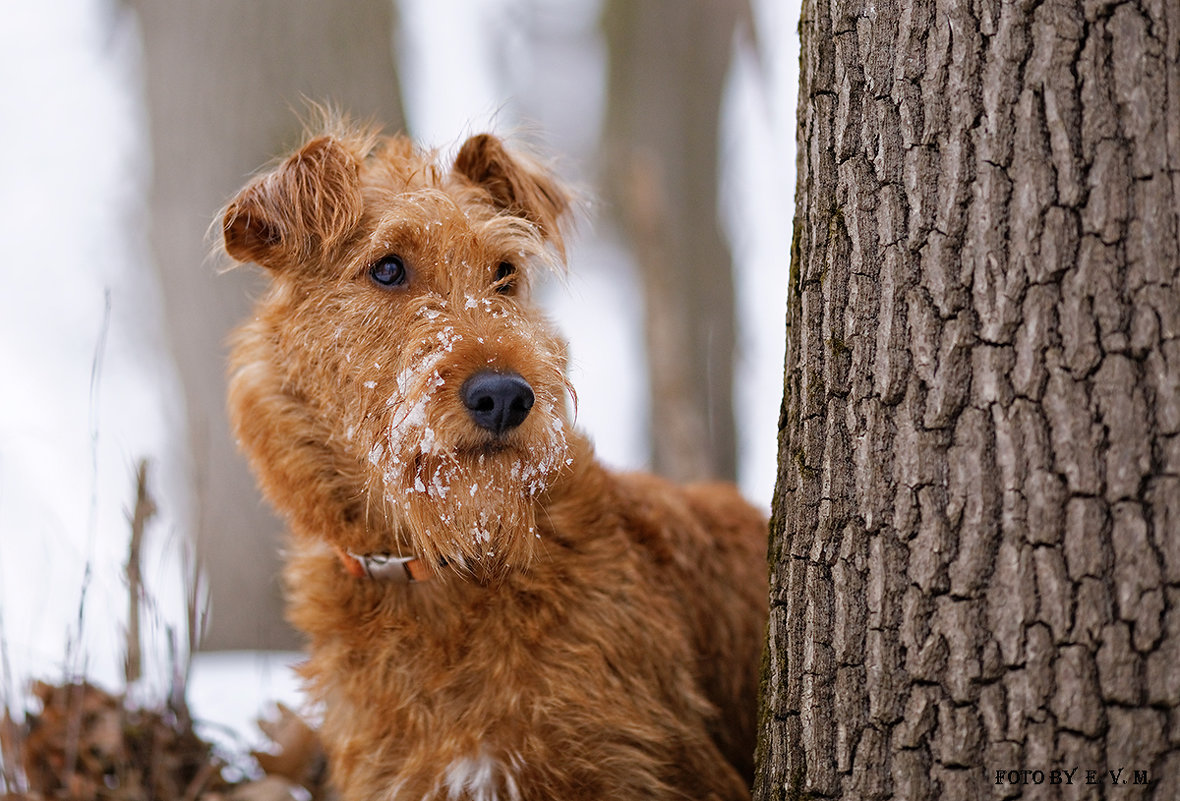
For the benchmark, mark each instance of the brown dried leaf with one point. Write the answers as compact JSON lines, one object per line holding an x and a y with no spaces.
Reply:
{"x":296,"y":754}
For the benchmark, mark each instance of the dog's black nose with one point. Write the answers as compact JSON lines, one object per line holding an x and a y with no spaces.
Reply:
{"x":497,"y":401}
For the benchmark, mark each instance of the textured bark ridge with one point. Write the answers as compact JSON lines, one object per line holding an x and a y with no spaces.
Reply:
{"x":976,"y":557}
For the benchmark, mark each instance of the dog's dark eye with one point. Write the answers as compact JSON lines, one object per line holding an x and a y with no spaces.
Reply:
{"x":389,"y":271}
{"x":505,"y":278}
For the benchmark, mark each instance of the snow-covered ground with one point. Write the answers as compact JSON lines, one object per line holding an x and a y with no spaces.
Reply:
{"x":88,"y":387}
{"x":230,"y":690}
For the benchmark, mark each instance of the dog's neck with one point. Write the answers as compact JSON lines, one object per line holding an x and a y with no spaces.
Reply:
{"x":583,"y":478}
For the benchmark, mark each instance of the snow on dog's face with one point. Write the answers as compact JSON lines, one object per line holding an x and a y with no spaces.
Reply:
{"x":399,"y":321}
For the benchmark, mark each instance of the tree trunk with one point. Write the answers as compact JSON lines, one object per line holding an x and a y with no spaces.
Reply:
{"x":668,"y":65}
{"x":226,"y":83}
{"x":976,"y":531}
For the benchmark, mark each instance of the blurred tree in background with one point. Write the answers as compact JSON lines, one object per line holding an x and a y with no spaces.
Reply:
{"x":668,"y":66}
{"x":227,"y":83}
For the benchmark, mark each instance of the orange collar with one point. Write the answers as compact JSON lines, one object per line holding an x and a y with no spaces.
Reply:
{"x":385,"y":567}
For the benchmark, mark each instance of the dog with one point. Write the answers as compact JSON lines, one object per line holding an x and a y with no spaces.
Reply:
{"x":490,"y":613}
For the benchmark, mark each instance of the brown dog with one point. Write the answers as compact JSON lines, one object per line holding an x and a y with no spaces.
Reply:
{"x":491,"y":613}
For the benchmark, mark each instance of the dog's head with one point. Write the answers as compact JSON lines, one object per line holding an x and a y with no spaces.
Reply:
{"x":397,"y":386}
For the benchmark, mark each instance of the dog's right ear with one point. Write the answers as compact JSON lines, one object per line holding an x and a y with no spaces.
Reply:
{"x":297,"y":211}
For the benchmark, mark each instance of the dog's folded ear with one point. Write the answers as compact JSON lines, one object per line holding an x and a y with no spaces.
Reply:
{"x":298,"y":210}
{"x":516,"y":184}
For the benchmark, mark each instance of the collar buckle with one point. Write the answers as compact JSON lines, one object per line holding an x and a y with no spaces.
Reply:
{"x":388,"y":567}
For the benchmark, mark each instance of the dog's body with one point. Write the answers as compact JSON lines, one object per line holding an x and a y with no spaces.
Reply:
{"x":554,"y":630}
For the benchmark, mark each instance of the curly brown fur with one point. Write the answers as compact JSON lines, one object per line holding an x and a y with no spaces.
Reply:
{"x":585,"y":635}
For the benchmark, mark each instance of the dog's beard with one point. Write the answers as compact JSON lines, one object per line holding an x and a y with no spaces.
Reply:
{"x":462,"y":499}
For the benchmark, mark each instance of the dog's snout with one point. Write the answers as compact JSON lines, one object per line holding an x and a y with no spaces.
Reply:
{"x":497,"y":402}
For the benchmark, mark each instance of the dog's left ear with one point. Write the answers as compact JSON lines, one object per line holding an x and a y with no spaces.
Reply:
{"x":516,"y":184}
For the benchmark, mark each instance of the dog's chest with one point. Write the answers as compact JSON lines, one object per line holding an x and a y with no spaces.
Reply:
{"x":481,"y":778}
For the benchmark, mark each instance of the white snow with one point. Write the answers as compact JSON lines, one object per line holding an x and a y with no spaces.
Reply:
{"x":229,"y":691}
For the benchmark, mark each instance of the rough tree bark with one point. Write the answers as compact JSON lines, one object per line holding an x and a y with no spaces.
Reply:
{"x":976,"y":533}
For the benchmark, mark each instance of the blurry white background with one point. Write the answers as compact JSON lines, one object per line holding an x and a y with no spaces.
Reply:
{"x":88,"y":381}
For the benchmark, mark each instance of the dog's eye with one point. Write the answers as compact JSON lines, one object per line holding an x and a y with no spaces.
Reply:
{"x":505,"y":278}
{"x":389,"y":271}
